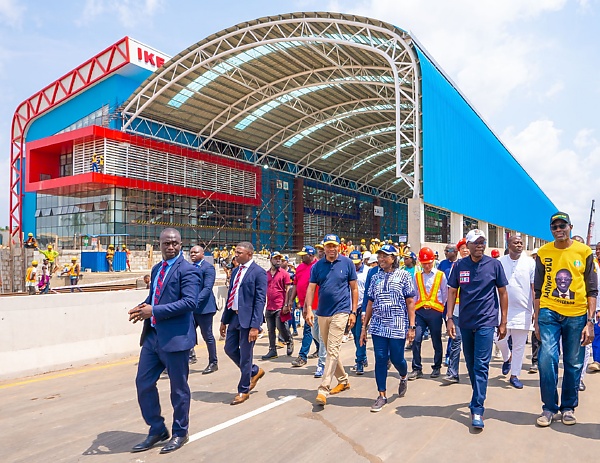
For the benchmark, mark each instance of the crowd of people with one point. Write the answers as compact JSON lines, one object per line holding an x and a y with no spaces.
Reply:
{"x":390,"y":296}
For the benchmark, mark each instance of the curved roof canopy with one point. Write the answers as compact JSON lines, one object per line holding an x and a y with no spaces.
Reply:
{"x":324,"y":92}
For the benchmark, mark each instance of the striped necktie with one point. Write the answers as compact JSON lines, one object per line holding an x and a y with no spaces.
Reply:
{"x":158,"y":290}
{"x":235,"y":287}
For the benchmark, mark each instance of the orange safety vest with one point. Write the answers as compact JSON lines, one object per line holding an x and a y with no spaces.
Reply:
{"x":431,"y":299}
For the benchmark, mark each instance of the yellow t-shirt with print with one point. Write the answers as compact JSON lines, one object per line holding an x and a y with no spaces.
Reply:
{"x":563,"y":287}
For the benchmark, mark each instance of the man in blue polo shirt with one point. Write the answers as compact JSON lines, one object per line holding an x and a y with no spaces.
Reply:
{"x":335,"y":275}
{"x":478,"y":276}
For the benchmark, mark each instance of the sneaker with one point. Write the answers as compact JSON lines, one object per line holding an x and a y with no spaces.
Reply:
{"x":514,"y":381}
{"x":379,"y":403}
{"x":594,"y":366}
{"x":477,"y":421}
{"x":506,"y":367}
{"x":360,"y":369}
{"x":319,"y":372}
{"x":366,"y":363}
{"x":295,"y":333}
{"x":321,"y":399}
{"x":568,"y":417}
{"x":581,"y":386}
{"x":415,"y":374}
{"x":299,"y":362}
{"x":340,"y":388}
{"x":290,"y":348}
{"x":402,"y":387}
{"x":451,"y":379}
{"x":545,"y":419}
{"x":272,"y":354}
{"x":314,"y":355}
{"x":533,"y":368}
{"x":345,"y":338}
{"x":435,"y":373}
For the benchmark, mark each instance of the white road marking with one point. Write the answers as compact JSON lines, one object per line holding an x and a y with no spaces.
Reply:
{"x":239,"y":419}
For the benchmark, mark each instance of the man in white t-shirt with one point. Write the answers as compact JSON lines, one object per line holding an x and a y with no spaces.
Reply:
{"x":519,"y":270}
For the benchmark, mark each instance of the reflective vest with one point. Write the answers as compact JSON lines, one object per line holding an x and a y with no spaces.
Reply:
{"x":431,"y":299}
{"x":74,"y":270}
{"x":30,"y":277}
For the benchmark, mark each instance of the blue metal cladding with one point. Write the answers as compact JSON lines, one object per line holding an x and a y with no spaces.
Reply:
{"x":113,"y":91}
{"x":466,"y":169}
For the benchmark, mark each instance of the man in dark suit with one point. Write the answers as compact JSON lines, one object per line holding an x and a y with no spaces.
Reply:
{"x":244,"y":314}
{"x":563,"y":281}
{"x":206,"y":308}
{"x":167,"y":337}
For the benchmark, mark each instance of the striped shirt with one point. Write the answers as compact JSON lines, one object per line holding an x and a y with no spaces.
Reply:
{"x":389,"y":291}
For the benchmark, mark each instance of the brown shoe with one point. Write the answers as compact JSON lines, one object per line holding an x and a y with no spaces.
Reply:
{"x":321,"y":399}
{"x":240,"y":398}
{"x":256,"y":377}
{"x":339,"y":388}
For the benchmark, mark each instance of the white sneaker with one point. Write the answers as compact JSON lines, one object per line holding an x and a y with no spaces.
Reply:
{"x":594,"y":366}
{"x":345,"y":338}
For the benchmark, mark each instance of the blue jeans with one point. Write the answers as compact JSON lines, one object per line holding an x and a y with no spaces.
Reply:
{"x":455,"y":345}
{"x":307,"y":339}
{"x":388,"y":348}
{"x":361,"y":351}
{"x":477,"y":346}
{"x":553,"y":326}
{"x":596,"y":343}
{"x":433,"y":319}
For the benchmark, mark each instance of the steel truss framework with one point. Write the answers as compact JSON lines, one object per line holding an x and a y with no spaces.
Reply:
{"x":311,"y":77}
{"x":90,"y":72}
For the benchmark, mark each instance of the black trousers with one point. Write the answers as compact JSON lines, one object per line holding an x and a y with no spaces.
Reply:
{"x":273,"y":318}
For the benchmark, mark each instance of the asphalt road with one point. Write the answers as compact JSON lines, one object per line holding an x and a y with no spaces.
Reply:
{"x":91,"y":414}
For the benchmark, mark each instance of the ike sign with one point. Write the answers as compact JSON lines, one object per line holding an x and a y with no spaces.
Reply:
{"x":145,"y":56}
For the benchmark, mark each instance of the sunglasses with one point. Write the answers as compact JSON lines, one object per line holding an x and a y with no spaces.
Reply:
{"x":560,"y":226}
{"x":479,"y":243}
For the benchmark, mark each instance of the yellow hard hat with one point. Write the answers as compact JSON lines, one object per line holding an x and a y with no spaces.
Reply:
{"x":73,"y":259}
{"x":34,"y":262}
{"x":111,"y":246}
{"x":29,"y":234}
{"x":49,"y":246}
{"x":124,"y":246}
{"x":363,"y":241}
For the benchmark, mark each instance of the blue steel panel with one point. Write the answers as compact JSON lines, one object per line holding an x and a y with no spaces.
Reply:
{"x":113,"y":91}
{"x":466,"y":169}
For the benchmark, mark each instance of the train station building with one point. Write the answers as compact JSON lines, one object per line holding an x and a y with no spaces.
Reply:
{"x":275,"y":131}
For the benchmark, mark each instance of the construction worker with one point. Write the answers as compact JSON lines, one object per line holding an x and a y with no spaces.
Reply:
{"x":351,"y":248}
{"x":431,"y":289}
{"x":127,"y":255}
{"x":232,"y":252}
{"x":31,"y":277}
{"x":363,"y":246}
{"x":215,"y":255}
{"x":110,"y":255}
{"x":52,"y":257}
{"x":31,"y":241}
{"x":343,"y":247}
{"x":74,"y":273}
{"x":224,"y":254}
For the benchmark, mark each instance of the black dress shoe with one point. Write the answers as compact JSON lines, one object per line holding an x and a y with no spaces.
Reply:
{"x":175,"y":443}
{"x":211,"y":368}
{"x":150,"y":442}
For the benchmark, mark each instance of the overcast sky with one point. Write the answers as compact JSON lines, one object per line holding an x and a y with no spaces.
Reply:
{"x":530,"y":68}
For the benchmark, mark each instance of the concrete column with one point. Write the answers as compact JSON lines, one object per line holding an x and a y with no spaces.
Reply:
{"x":456,"y":227}
{"x":502,"y":237}
{"x":530,"y":242}
{"x":416,"y":223}
{"x":298,"y":213}
{"x":483,"y":226}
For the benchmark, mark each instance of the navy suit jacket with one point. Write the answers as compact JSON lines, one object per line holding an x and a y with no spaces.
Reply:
{"x":206,"y":299}
{"x":175,"y":328}
{"x":252,"y":297}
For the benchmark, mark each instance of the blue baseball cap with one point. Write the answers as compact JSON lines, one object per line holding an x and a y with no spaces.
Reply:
{"x":331,"y":239}
{"x":275,"y":254}
{"x":388,"y":249}
{"x":410,"y":254}
{"x":307,"y":250}
{"x":356,"y":257}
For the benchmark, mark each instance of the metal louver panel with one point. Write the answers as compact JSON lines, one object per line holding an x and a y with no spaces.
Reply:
{"x":130,"y":161}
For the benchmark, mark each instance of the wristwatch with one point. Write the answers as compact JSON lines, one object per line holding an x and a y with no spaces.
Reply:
{"x":353,"y":313}
{"x":592,"y":320}
{"x":412,"y":327}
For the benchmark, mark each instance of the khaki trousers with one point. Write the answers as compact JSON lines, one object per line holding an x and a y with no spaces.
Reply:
{"x":332,"y":330}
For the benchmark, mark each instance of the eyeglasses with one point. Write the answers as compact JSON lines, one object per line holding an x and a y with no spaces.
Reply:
{"x":560,"y":226}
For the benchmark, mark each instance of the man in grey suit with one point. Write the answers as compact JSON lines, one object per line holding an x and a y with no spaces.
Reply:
{"x":206,"y":308}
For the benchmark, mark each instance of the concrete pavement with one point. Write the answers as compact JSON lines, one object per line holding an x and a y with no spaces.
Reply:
{"x":90,"y":414}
